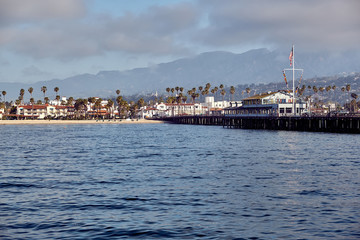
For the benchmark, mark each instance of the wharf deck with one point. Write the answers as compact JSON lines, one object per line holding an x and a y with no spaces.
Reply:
{"x":310,"y":124}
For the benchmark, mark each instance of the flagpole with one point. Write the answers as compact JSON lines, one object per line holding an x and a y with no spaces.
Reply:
{"x":293,"y":70}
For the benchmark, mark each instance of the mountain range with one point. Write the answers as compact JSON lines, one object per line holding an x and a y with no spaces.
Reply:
{"x":252,"y":67}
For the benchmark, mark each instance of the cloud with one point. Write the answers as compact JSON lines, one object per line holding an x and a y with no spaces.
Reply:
{"x":66,"y":30}
{"x":322,"y":24}
{"x":153,"y":32}
{"x":19,"y":11}
{"x":32,"y":71}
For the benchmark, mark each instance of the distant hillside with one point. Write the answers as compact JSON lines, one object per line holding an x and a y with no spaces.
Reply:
{"x":252,"y":67}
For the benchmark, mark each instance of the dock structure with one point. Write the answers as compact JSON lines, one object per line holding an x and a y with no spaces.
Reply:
{"x":309,"y":124}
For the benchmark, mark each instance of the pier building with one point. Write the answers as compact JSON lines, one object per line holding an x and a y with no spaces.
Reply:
{"x":277,"y":104}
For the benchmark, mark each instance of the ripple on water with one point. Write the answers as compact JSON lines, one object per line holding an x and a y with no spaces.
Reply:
{"x":176,"y":181}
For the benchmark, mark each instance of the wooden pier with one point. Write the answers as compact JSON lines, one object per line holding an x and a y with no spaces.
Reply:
{"x":309,"y":124}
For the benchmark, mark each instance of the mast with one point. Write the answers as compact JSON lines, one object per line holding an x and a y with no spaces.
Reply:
{"x":293,"y":72}
{"x":293,"y":69}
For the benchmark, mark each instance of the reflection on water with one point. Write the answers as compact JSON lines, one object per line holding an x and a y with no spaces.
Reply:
{"x":177,"y":181}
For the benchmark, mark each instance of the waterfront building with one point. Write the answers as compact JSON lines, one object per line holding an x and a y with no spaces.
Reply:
{"x":269,"y":104}
{"x":43,"y":111}
{"x":169,"y":110}
{"x":59,"y":102}
{"x":35,"y":111}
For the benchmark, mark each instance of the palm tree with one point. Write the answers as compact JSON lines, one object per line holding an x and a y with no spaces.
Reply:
{"x":30,"y":90}
{"x":232,"y":92}
{"x":117,"y":92}
{"x":177,"y":100}
{"x":118,"y":101}
{"x":348,"y":88}
{"x":353,"y":102}
{"x":32,"y":101}
{"x":109,"y":106}
{"x":248,"y":91}
{"x":124,"y":108}
{"x":184,"y":99}
{"x":81,"y":106}
{"x":223,"y":93}
{"x":315,"y":89}
{"x":97,"y":106}
{"x":216,"y":89}
{"x":327,"y":89}
{"x":321,"y":89}
{"x":177,"y":90}
{"x":22,"y":92}
{"x":91,"y":99}
{"x":70,"y":101}
{"x":44,"y":89}
{"x":207,"y":86}
{"x":168,"y":90}
{"x":46,"y":100}
{"x":171,"y":100}
{"x":203,"y":93}
{"x":194,"y":95}
{"x":4,"y":94}
{"x":172,"y":91}
{"x":189,"y":92}
{"x":56,"y":89}
{"x":334,"y":88}
{"x":141,"y":103}
{"x":2,"y":105}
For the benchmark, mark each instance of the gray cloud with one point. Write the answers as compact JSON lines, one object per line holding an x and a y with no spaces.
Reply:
{"x":24,"y":12}
{"x":31,"y":71}
{"x":321,"y":24}
{"x":154,"y":32}
{"x":66,"y":30}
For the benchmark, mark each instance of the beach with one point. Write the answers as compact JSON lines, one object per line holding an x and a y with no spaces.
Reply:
{"x":106,"y":121}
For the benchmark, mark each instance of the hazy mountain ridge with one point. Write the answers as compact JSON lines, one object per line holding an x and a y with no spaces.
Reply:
{"x":252,"y":67}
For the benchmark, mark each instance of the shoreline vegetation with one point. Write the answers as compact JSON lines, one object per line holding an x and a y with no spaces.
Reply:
{"x":68,"y":122}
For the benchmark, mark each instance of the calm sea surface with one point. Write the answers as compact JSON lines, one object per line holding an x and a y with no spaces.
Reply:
{"x":168,"y":181}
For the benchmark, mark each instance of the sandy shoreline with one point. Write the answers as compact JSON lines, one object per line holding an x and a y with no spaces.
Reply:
{"x":33,"y":122}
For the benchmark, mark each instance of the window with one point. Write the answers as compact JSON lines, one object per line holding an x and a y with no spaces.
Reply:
{"x":288,"y":110}
{"x":281,"y":110}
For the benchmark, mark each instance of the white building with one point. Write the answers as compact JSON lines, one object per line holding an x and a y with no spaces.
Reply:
{"x":168,"y":110}
{"x":43,"y":111}
{"x":58,"y":103}
{"x":269,"y":104}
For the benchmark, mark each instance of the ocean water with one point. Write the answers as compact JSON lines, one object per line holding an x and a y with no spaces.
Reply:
{"x":165,"y":181}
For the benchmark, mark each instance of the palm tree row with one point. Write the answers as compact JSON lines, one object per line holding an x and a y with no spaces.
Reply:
{"x":198,"y":92}
{"x":80,"y":105}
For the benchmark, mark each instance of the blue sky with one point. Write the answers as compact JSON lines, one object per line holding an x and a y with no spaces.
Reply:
{"x":43,"y":39}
